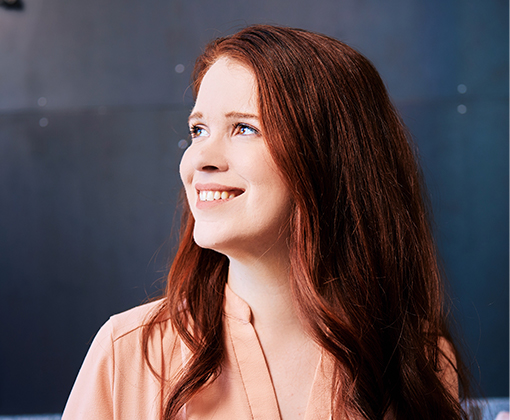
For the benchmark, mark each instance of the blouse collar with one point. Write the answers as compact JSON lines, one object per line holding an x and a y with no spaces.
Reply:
{"x":235,"y":307}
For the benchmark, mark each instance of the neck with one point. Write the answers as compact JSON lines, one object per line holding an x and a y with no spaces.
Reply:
{"x":264,"y":285}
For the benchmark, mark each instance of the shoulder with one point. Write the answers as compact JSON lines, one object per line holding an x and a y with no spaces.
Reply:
{"x":128,"y":323}
{"x":138,"y":333}
{"x":448,"y":367}
{"x":128,"y":326}
{"x":124,"y":338}
{"x":118,"y":365}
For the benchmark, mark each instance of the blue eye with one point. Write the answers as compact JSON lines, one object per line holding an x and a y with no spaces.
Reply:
{"x":245,"y":130}
{"x":197,"y":131}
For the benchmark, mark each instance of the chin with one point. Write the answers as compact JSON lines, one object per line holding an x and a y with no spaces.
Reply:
{"x":208,"y":240}
{"x":229,"y":246}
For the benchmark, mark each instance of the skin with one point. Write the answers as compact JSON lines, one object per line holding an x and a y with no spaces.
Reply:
{"x":229,"y":151}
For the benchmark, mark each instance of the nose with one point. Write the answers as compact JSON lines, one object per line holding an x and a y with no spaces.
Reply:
{"x":209,"y":155}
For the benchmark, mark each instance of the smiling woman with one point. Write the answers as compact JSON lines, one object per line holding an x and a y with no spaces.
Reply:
{"x":306,"y":283}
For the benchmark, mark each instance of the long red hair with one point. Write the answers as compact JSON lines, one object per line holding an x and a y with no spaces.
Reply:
{"x":364,"y":271}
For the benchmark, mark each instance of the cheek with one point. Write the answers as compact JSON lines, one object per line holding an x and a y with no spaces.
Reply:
{"x":264,"y":172}
{"x":185,"y":168}
{"x":186,"y":173}
{"x":256,"y":163}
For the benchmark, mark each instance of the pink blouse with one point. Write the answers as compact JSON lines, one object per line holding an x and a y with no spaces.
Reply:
{"x":116,"y":383}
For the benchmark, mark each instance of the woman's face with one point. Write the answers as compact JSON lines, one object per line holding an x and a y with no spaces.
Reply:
{"x":236,"y":194}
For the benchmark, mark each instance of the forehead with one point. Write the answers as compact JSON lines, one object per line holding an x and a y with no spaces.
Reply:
{"x":227,"y":86}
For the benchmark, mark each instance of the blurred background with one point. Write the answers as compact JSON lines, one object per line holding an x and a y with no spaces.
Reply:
{"x":94,"y":99}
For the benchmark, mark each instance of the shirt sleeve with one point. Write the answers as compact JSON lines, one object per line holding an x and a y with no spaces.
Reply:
{"x":91,"y":396}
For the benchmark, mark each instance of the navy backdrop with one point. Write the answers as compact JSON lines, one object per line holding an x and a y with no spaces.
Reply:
{"x":93,"y":108}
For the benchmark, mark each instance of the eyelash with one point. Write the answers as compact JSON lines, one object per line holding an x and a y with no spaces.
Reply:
{"x":195,"y":130}
{"x":240,"y":126}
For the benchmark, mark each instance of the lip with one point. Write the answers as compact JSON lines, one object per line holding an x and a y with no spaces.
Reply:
{"x":215,"y":187}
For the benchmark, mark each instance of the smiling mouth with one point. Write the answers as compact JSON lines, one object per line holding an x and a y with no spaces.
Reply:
{"x":209,"y":195}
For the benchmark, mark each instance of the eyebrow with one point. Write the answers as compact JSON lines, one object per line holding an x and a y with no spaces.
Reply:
{"x":195,"y":116}
{"x":236,"y":115}
{"x":240,"y":115}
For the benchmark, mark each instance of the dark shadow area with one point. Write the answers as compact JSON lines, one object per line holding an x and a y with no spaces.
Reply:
{"x":12,"y":4}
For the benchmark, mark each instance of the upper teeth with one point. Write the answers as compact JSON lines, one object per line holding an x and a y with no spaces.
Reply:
{"x":215,"y":195}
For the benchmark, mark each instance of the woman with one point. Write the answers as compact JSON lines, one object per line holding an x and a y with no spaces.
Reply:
{"x":306,"y":283}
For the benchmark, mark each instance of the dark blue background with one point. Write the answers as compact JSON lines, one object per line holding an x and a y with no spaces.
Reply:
{"x":92,"y":110}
